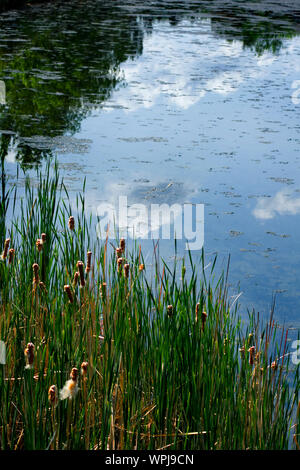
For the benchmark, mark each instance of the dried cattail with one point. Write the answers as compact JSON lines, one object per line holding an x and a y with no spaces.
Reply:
{"x":120,"y":262}
{"x":11,"y":255}
{"x":88,"y":263}
{"x":103,"y":290}
{"x":274,"y":365}
{"x":68,"y":291}
{"x":84,"y":368}
{"x":126,"y":270}
{"x":203,"y":318}
{"x":44,"y":237}
{"x":42,"y":287}
{"x":251,"y":355}
{"x":122,"y":244}
{"x":70,"y":388}
{"x":39,"y":244}
{"x":75,"y":278}
{"x":29,"y":355}
{"x":197,"y":311}
{"x":141,"y":267}
{"x":6,"y":246}
{"x":81,"y":273}
{"x":53,"y":395}
{"x":119,"y":252}
{"x":170,"y":310}
{"x":71,"y":223}
{"x":35,"y":268}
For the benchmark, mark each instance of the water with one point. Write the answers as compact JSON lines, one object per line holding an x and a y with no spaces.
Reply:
{"x":177,"y":102}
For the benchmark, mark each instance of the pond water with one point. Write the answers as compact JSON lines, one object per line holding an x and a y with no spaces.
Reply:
{"x":169,"y":102}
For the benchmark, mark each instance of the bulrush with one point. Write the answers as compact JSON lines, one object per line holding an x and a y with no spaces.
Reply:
{"x":197,"y":311}
{"x":35,"y":268}
{"x":170,"y":310}
{"x":274,"y":365}
{"x":70,"y":388}
{"x":11,"y":255}
{"x":44,"y":237}
{"x":203,"y":318}
{"x":29,"y":355}
{"x":88,"y":263}
{"x":84,"y":369}
{"x":81,"y":273}
{"x":251,"y":352}
{"x":68,"y":291}
{"x":71,"y":223}
{"x":5,"y":250}
{"x":75,"y":278}
{"x":53,"y":395}
{"x":141,"y":267}
{"x":119,"y":252}
{"x":39,"y":244}
{"x":122,"y":244}
{"x":126,"y":270}
{"x":120,"y":262}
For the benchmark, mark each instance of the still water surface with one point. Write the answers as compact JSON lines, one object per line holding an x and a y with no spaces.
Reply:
{"x":177,"y":102}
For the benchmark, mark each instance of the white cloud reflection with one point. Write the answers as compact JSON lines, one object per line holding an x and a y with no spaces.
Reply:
{"x":281,"y":204}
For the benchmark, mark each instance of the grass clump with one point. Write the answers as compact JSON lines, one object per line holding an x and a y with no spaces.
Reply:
{"x":101,"y":355}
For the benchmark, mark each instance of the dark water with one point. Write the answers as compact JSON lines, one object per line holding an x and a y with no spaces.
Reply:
{"x":176,"y":102}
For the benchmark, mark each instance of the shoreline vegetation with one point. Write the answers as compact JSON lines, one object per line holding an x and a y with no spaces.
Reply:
{"x":99,"y":355}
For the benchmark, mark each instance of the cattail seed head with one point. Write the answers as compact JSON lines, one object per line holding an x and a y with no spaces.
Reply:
{"x":274,"y":365}
{"x":141,"y":267}
{"x":42,"y":287}
{"x":103,"y":290}
{"x":126,"y":270}
{"x":53,"y":395}
{"x":44,"y":237}
{"x":11,"y":255}
{"x":120,"y":262}
{"x":81,"y":273}
{"x":74,"y":374}
{"x":119,"y":252}
{"x":71,"y":223}
{"x":68,"y":291}
{"x":6,"y":246}
{"x":251,"y":352}
{"x":84,"y":368}
{"x":35,"y":268}
{"x":203,"y":318}
{"x":170,"y":310}
{"x":122,"y":244}
{"x":29,"y":355}
{"x":197,"y":311}
{"x":75,"y":278}
{"x":88,"y":263}
{"x":39,"y":244}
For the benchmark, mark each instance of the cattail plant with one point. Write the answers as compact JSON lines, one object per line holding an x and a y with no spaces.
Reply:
{"x":11,"y":255}
{"x":122,"y":244}
{"x":5,"y":250}
{"x":251,"y":352}
{"x":70,"y":389}
{"x":53,"y":395}
{"x":39,"y":244}
{"x":84,"y":369}
{"x":141,"y":267}
{"x":81,"y":273}
{"x":119,"y":252}
{"x":75,"y":278}
{"x":203,"y":319}
{"x":170,"y":310}
{"x":42,"y":287}
{"x":36,"y":269}
{"x":29,"y":355}
{"x":120,"y":263}
{"x":68,"y":291}
{"x":197,"y":311}
{"x":88,"y":263}
{"x":43,"y":237}
{"x":126,"y":270}
{"x":103,"y":290}
{"x":71,"y":223}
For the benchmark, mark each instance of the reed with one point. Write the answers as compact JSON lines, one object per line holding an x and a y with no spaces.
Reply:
{"x":156,"y":362}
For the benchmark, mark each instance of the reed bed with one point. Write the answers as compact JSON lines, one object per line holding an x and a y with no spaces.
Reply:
{"x":101,"y":355}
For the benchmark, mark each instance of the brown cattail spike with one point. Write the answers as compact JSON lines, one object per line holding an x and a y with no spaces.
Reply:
{"x":103,"y":290}
{"x":170,"y":310}
{"x":197,"y":312}
{"x":81,"y":273}
{"x":120,"y":262}
{"x":75,"y":279}
{"x":68,"y":291}
{"x":274,"y":365}
{"x":29,"y":355}
{"x":122,"y":244}
{"x":251,"y":352}
{"x":11,"y":255}
{"x":126,"y":270}
{"x":35,"y":268}
{"x":6,"y":246}
{"x":203,"y":318}
{"x":74,"y":374}
{"x":44,"y":237}
{"x":84,"y":369}
{"x":71,"y":223}
{"x":119,"y":252}
{"x":53,"y":395}
{"x":39,"y":244}
{"x":88,"y":263}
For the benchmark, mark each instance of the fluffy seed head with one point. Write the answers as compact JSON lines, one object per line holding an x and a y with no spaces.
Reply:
{"x":39,"y":244}
{"x":84,"y":368}
{"x":71,"y":223}
{"x":29,"y":355}
{"x":53,"y":395}
{"x":74,"y":374}
{"x":44,"y":237}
